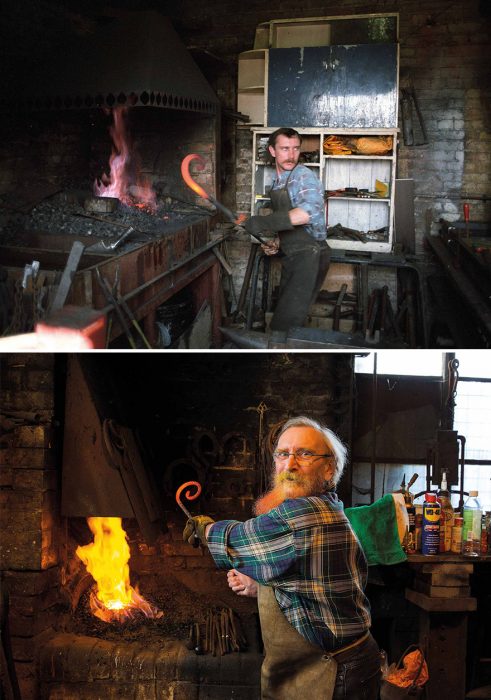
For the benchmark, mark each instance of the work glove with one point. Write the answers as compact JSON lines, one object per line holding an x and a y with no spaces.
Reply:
{"x":270,"y":224}
{"x":195,"y":528}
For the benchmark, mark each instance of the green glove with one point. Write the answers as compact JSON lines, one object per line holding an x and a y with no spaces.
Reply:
{"x":272,"y":223}
{"x":195,"y":528}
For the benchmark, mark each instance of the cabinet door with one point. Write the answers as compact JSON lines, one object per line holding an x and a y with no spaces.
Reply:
{"x":333,"y":86}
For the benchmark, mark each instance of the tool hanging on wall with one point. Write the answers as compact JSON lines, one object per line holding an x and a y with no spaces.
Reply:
{"x":409,"y":106}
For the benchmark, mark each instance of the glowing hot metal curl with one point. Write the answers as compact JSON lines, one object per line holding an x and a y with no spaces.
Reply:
{"x":238,"y":220}
{"x":189,"y":495}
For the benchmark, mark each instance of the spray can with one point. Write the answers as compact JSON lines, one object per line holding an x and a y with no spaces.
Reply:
{"x":431,"y":525}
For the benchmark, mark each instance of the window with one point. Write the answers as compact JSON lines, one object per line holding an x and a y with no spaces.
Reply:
{"x":472,"y":419}
{"x":422,"y":363}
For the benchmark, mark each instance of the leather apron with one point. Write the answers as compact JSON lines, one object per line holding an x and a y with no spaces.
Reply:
{"x":304,"y":266}
{"x":293,"y":667}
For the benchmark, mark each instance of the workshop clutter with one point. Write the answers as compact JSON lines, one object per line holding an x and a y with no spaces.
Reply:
{"x":222,"y":634}
{"x":407,"y":678}
{"x":435,"y":528}
{"x":363,"y":145}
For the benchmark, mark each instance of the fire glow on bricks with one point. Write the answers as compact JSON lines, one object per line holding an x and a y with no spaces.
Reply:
{"x":106,"y":559}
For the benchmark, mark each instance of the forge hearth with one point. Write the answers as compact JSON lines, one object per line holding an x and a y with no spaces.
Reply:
{"x":146,"y":659}
{"x":155,"y":236}
{"x":85,"y":668}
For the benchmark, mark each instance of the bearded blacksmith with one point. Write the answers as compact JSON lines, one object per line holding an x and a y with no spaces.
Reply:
{"x":300,"y":556}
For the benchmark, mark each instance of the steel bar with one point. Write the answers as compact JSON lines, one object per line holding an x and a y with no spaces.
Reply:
{"x":67,"y":276}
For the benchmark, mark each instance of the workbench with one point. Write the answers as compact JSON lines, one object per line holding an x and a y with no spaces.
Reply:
{"x":442,"y":592}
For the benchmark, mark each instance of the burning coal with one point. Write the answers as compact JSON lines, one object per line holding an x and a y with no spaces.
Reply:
{"x":106,"y":558}
{"x":125,"y":180}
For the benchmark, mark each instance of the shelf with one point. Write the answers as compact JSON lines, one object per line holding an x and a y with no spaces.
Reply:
{"x":338,"y":172}
{"x":300,"y":32}
{"x":251,"y":88}
{"x":308,"y":165}
{"x":252,"y":67}
{"x":356,"y":157}
{"x":358,"y":199}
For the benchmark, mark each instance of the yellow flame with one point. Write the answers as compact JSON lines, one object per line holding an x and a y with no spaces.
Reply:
{"x":106,"y":558}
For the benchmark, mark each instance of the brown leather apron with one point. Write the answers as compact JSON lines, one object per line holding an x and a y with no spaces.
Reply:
{"x":292,"y":667}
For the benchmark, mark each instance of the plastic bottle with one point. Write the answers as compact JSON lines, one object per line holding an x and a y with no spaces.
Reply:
{"x":469,"y":545}
{"x":418,"y":527}
{"x":484,"y":535}
{"x":411,"y":514}
{"x":456,"y":546}
{"x":472,"y":521}
{"x":431,"y":525}
{"x":446,"y":517}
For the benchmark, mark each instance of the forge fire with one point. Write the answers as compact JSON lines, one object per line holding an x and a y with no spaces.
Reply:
{"x":125,"y":180}
{"x":106,"y":559}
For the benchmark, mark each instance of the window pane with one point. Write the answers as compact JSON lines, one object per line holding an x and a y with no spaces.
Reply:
{"x":474,"y":363}
{"x":423,"y":363}
{"x":472,"y":418}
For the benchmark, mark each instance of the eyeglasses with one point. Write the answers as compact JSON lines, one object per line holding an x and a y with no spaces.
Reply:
{"x":302,"y":457}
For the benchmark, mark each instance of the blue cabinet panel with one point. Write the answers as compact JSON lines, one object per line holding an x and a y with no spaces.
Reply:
{"x":333,"y":86}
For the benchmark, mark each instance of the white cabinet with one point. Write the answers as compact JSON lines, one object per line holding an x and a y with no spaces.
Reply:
{"x":252,"y":88}
{"x":359,"y":188}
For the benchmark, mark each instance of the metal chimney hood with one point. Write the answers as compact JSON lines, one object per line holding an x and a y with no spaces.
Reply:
{"x":136,"y":60}
{"x":103,"y":472}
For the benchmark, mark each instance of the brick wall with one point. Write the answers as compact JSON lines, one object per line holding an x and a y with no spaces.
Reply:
{"x":28,"y":516}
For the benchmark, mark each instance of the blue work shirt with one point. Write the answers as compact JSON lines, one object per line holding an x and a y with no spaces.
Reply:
{"x":305,"y":191}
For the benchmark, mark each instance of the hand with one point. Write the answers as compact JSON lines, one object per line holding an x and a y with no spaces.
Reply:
{"x":195,"y":528}
{"x":241,"y":584}
{"x":272,"y":247}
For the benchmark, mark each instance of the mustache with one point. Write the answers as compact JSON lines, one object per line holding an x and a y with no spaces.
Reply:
{"x":290,"y":476}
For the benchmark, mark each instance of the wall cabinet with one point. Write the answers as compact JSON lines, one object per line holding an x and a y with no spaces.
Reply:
{"x":359,"y":187}
{"x":252,"y":85}
{"x":322,"y":71}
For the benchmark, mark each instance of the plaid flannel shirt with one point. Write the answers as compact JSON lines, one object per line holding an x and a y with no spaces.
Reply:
{"x":305,"y":191}
{"x":305,"y":548}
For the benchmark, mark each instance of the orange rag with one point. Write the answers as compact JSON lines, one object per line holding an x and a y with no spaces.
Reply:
{"x":404,"y":677}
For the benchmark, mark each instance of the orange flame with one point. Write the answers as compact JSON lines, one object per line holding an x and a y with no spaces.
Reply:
{"x":106,"y":558}
{"x":122,"y":161}
{"x":187,"y":177}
